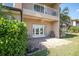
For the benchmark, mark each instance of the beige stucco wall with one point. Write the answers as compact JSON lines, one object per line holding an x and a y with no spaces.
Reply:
{"x":74,"y":23}
{"x":28,"y":6}
{"x":18,"y":5}
{"x":55,"y":28}
{"x":49,"y":26}
{"x":28,"y":10}
{"x":51,"y":5}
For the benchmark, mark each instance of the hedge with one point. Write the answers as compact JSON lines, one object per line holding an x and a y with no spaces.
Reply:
{"x":74,"y":29}
{"x":13,"y":37}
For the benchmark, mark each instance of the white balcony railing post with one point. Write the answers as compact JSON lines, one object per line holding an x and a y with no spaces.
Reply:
{"x":33,"y":7}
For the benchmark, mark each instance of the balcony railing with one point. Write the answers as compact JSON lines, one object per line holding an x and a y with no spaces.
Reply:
{"x":44,"y":9}
{"x":47,"y":10}
{"x":47,"y":13}
{"x":50,"y":11}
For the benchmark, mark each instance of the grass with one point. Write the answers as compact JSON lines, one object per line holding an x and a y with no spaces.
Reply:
{"x":71,"y":49}
{"x":40,"y":53}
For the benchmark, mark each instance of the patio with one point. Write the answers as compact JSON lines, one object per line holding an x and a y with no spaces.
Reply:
{"x":45,"y":43}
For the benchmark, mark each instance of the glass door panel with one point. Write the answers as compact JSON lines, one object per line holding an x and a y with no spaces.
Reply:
{"x":38,"y":30}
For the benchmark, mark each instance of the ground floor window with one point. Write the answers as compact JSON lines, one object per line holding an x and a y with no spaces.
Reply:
{"x":38,"y":30}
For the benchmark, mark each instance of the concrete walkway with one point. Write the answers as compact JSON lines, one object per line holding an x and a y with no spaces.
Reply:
{"x":54,"y":42}
{"x":42,"y":43}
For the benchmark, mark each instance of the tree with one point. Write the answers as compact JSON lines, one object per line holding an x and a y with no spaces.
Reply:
{"x":64,"y":18}
{"x":65,"y":21}
{"x":5,"y":12}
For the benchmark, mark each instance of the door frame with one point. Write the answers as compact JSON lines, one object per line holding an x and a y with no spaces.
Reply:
{"x":38,"y":26}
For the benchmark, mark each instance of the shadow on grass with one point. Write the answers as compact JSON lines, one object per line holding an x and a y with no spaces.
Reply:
{"x":70,"y":35}
{"x":41,"y":53}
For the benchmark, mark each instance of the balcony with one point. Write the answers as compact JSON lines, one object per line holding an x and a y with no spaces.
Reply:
{"x":43,"y":13}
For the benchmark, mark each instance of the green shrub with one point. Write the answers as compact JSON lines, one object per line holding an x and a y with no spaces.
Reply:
{"x":13,"y":37}
{"x":74,"y":29}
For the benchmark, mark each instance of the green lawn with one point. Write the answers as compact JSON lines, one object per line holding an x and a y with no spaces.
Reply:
{"x":71,"y":49}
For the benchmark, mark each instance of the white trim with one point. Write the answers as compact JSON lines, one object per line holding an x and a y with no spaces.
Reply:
{"x":38,"y":36}
{"x":38,"y":26}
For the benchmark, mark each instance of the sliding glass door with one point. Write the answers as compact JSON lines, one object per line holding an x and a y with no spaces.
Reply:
{"x":38,"y":30}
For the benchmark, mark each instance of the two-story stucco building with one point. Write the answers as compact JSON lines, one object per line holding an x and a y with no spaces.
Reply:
{"x":41,"y":19}
{"x":75,"y":22}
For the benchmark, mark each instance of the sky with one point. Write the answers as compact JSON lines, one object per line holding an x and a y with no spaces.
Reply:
{"x":73,"y":9}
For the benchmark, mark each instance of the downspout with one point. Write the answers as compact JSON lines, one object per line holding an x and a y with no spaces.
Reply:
{"x":21,"y":13}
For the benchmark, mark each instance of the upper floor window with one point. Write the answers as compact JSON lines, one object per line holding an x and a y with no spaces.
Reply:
{"x":54,"y":13}
{"x":8,"y":4}
{"x":39,"y":8}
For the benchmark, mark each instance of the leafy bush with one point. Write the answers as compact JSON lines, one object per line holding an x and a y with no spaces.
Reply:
{"x":74,"y":29}
{"x":13,"y":37}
